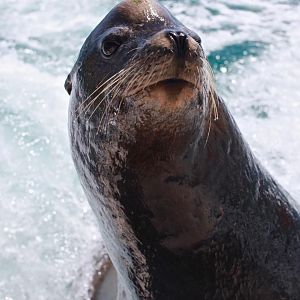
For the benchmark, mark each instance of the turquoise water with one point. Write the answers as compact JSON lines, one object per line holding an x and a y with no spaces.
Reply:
{"x":48,"y":234}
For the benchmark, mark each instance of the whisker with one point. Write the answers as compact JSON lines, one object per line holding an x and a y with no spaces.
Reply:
{"x":93,"y":101}
{"x":114,"y":92}
{"x":111,"y":84}
{"x":99,"y":87}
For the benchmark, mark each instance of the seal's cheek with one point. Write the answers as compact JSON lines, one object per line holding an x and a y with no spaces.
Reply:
{"x":68,"y":84}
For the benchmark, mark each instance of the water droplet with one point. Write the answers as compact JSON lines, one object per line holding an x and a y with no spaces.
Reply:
{"x":223,"y":70}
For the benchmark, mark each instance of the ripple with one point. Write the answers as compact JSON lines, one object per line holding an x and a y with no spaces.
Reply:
{"x":234,"y":53}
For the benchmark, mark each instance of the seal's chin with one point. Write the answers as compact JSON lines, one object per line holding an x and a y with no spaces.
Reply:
{"x":174,"y":84}
{"x":175,"y":92}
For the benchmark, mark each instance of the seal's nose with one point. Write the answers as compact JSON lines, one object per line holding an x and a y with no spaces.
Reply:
{"x":180,"y":40}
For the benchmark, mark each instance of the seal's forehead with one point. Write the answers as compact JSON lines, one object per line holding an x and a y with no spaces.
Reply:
{"x":140,"y":11}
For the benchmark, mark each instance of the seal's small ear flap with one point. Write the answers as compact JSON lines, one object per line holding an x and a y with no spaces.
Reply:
{"x":68,"y":84}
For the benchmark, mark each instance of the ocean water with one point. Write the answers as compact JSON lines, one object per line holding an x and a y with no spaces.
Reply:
{"x":49,"y":239}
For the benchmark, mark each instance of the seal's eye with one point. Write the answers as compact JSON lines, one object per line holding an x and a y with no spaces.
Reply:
{"x":109,"y":47}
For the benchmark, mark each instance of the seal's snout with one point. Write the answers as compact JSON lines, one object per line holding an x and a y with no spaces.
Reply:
{"x":180,"y":41}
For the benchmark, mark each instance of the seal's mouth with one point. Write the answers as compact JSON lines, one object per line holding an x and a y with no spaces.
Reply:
{"x":173,"y":85}
{"x":171,"y":90}
{"x":174,"y":82}
{"x":170,"y":84}
{"x":167,"y":72}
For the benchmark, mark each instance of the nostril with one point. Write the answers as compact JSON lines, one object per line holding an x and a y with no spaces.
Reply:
{"x":180,"y":40}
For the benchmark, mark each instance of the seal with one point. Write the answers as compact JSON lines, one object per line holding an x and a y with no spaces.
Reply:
{"x":185,"y":209}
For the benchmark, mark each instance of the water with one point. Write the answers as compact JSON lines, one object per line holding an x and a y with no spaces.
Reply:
{"x":48,"y":234}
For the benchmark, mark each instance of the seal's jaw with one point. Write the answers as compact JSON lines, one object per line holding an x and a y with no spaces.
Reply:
{"x":172,"y":92}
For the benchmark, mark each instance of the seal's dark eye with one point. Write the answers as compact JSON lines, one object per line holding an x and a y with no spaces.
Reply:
{"x":109,"y":47}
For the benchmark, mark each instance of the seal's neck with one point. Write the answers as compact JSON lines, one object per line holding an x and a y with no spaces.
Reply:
{"x":174,"y":181}
{"x":189,"y":200}
{"x":175,"y":190}
{"x":193,"y":151}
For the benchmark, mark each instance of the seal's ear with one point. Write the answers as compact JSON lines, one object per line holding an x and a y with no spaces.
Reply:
{"x":68,"y":84}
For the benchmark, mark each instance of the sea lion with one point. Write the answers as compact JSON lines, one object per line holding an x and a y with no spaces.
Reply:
{"x":186,"y":210}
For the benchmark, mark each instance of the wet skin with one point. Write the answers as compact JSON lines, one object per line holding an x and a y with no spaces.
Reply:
{"x":186,"y":210}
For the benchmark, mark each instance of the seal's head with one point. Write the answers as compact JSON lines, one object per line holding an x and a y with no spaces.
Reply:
{"x":139,"y":51}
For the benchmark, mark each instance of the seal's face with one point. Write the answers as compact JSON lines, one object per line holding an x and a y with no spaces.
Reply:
{"x":140,"y":51}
